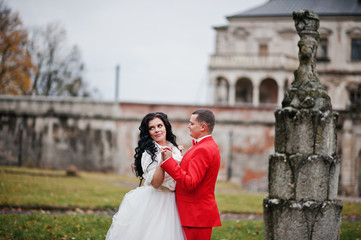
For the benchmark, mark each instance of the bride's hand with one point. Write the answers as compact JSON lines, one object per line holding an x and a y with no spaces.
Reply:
{"x":166,"y":152}
{"x":181,"y":148}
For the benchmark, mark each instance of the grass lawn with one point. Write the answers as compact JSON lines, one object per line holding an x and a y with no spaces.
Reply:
{"x":22,"y":186}
{"x":41,"y":226}
{"x":35,"y":187}
{"x":46,"y":187}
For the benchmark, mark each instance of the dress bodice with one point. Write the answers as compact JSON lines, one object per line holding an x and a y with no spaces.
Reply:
{"x":149,"y":167}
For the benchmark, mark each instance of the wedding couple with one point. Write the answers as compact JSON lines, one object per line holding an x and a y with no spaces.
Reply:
{"x":177,"y":200}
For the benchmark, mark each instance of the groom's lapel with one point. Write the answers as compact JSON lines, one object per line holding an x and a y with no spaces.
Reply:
{"x":189,"y":150}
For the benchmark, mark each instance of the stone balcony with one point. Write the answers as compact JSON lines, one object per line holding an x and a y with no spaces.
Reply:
{"x":278,"y":61}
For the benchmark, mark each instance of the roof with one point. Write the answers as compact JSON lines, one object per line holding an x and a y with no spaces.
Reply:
{"x":276,"y":8}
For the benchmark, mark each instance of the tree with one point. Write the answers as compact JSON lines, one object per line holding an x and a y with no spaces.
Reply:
{"x":59,"y":70}
{"x":38,"y":62}
{"x":15,"y":62}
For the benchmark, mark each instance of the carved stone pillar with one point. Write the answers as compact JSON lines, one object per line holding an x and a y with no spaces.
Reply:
{"x":303,"y":173}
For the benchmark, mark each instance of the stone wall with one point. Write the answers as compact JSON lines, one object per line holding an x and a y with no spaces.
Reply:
{"x":101,"y":136}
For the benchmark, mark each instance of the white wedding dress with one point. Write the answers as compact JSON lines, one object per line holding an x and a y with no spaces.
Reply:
{"x":146,"y":212}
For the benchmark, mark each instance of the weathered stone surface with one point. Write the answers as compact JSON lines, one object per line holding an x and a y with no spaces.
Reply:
{"x":315,"y":177}
{"x":305,"y":176}
{"x":304,"y":95}
{"x":305,"y":131}
{"x":328,"y":221}
{"x":280,"y":177}
{"x":296,"y":161}
{"x":307,"y":91}
{"x":334,"y":178}
{"x":300,"y":133}
{"x":312,"y":179}
{"x":310,"y":220}
{"x":283,"y":222}
{"x":326,"y":138}
{"x":280,"y":131}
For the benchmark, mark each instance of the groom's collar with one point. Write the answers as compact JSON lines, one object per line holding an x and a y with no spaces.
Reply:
{"x":200,"y":139}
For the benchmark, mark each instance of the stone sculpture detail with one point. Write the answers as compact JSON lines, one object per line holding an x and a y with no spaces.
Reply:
{"x":304,"y":171}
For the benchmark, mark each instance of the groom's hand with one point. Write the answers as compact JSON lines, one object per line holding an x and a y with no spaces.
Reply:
{"x":166,"y":153}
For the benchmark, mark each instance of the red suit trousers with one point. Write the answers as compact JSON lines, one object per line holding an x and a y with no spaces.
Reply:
{"x":198,"y":233}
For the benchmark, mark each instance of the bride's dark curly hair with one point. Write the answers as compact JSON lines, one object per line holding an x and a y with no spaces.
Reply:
{"x":146,"y":143}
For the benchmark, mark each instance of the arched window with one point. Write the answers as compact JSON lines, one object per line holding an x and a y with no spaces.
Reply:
{"x":268,"y":91}
{"x":244,"y":91}
{"x":222,"y":90}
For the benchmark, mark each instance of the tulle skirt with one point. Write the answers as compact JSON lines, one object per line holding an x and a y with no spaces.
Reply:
{"x":147,"y":213}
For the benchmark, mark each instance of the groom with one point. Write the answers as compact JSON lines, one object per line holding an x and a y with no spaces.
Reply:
{"x":196,"y":178}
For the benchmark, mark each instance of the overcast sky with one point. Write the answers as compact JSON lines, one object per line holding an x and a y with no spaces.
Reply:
{"x":162,"y":46}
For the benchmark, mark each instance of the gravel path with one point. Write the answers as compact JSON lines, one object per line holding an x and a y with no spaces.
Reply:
{"x":51,"y":210}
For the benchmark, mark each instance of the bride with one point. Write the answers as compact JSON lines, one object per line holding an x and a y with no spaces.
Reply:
{"x":150,"y":211}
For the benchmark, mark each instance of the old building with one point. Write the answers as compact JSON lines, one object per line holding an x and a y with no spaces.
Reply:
{"x":256,"y":55}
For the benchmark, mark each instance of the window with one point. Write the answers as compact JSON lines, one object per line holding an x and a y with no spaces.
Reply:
{"x":322,"y":54}
{"x":355,"y":43}
{"x":268,"y":91}
{"x":263,"y":50}
{"x":323,"y":45}
{"x":222,"y":90}
{"x":355,"y":95}
{"x":244,"y":91}
{"x":356,"y":49}
{"x":354,"y":90}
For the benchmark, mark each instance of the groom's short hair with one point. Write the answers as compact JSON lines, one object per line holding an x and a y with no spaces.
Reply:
{"x":206,"y":116}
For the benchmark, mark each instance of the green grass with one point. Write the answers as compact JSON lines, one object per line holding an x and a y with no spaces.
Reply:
{"x":26,"y":187}
{"x":234,"y":229}
{"x":351,"y":231}
{"x":351,"y":209}
{"x":38,"y":187}
{"x":34,"y":187}
{"x":232,"y":198}
{"x":245,"y":202}
{"x":252,"y":203}
{"x":41,"y":226}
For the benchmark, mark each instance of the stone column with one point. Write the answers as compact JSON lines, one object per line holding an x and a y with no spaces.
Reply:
{"x":304,"y":170}
{"x":347,"y":166}
{"x":232,"y":93}
{"x":280,"y":95}
{"x":255,"y":95}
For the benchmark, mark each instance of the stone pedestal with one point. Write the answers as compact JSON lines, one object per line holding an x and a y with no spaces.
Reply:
{"x":296,"y":220}
{"x":304,"y":171}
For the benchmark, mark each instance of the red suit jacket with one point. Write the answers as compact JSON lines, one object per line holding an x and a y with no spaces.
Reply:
{"x":196,"y":180}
